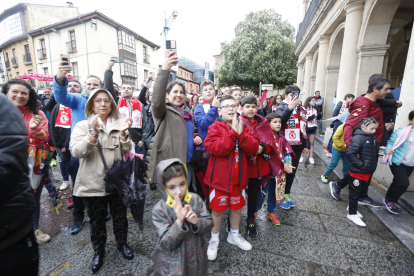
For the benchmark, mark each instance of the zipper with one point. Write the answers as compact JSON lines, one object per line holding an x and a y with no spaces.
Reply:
{"x":231,"y":171}
{"x":212,"y":172}
{"x":240,"y":166}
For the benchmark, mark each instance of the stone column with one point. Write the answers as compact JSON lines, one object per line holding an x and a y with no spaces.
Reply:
{"x":349,"y":56}
{"x":321,"y":66}
{"x":299,"y":81}
{"x":407,"y":95}
{"x":308,"y":69}
{"x":332,"y":73}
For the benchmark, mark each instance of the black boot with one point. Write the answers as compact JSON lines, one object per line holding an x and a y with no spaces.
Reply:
{"x":126,"y":251}
{"x":97,"y":260}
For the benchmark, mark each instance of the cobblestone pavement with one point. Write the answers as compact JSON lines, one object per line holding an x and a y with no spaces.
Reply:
{"x":315,"y":238}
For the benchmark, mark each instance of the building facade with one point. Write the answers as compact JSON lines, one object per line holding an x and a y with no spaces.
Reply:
{"x":186,"y":76}
{"x":91,"y":40}
{"x":15,"y":43}
{"x":340,"y":44}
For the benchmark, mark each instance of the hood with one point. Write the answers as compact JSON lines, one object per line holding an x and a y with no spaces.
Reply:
{"x":159,"y":171}
{"x":115,"y":115}
{"x":192,"y":99}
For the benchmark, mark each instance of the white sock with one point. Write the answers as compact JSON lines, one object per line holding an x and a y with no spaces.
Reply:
{"x":234,"y":233}
{"x":214,"y":237}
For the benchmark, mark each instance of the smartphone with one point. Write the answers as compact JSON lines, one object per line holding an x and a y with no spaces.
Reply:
{"x":171,"y":45}
{"x":151,"y":73}
{"x":65,"y":58}
{"x":219,"y":95}
{"x":295,"y":95}
{"x":118,"y":59}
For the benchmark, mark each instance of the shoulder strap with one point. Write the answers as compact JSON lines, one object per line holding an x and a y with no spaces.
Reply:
{"x":102,"y":156}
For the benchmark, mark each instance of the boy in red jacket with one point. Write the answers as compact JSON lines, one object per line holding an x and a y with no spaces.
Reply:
{"x":262,"y":165}
{"x":229,"y":143}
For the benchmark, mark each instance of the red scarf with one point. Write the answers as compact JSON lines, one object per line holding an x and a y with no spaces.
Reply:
{"x":127,"y":112}
{"x":64,"y":116}
{"x":293,"y":129}
{"x":309,"y":112}
{"x":344,"y":107}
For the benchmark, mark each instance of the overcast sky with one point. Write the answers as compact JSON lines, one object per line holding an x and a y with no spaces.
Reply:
{"x":199,"y":28}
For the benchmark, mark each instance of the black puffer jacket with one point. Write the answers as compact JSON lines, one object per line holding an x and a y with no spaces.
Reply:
{"x":17,"y":201}
{"x":365,"y":145}
{"x":388,"y":107}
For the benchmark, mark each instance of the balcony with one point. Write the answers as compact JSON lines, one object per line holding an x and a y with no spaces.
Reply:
{"x":71,"y":47}
{"x":14,"y":62}
{"x":308,"y":17}
{"x":147,"y":58}
{"x":7,"y":65}
{"x":41,"y":53}
{"x":27,"y":59}
{"x":1,"y":68}
{"x":42,"y":84}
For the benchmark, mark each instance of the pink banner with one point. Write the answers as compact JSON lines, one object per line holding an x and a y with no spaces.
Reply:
{"x":41,"y":77}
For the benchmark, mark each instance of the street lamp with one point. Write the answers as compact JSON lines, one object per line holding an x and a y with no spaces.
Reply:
{"x":408,"y":29}
{"x":168,"y":24}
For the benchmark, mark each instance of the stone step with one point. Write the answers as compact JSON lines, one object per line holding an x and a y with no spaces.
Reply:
{"x":407,"y":201}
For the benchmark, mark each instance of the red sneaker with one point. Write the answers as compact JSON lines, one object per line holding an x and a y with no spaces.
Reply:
{"x":70,"y":203}
{"x":255,"y":215}
{"x":273,"y":218}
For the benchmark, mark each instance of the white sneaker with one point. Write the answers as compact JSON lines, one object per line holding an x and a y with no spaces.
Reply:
{"x":240,"y":242}
{"x":212,"y":250}
{"x":64,"y":185}
{"x":356,"y":219}
{"x":41,"y":237}
{"x":301,"y":160}
{"x":358,"y":213}
{"x":311,"y":161}
{"x":329,"y":155}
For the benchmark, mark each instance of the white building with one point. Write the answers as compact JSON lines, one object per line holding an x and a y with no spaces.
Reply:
{"x":90,"y":40}
{"x":341,"y":43}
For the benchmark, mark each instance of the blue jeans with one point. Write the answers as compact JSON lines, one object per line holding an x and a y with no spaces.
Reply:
{"x":141,"y":150}
{"x":271,"y":197}
{"x":336,"y":154}
{"x":36,"y":215}
{"x":320,"y":125}
{"x":78,"y":205}
{"x":64,"y":166}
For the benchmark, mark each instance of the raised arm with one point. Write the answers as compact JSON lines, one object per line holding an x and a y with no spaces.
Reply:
{"x":109,"y":82}
{"x":60,"y":91}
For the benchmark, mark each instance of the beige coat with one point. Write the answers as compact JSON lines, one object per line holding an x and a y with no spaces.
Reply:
{"x":91,"y":174}
{"x":171,"y":139}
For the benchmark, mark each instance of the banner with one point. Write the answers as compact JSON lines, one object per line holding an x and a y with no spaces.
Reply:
{"x":42,"y":77}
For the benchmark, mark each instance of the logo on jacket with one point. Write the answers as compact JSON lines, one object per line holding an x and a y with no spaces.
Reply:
{"x":368,"y":142}
{"x":356,"y":182}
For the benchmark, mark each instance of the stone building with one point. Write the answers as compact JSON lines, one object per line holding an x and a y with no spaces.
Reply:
{"x":186,"y":76}
{"x":90,"y":40}
{"x":16,"y":45}
{"x":341,"y":43}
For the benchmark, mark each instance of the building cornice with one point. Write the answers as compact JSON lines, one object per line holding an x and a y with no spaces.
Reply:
{"x":324,"y":39}
{"x":353,"y":5}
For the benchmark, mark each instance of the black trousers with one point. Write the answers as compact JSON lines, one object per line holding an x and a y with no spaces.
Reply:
{"x":291,"y":177}
{"x":21,"y":258}
{"x":253,"y":188}
{"x":97,"y":211}
{"x":400,"y":182}
{"x":356,"y":189}
{"x":344,"y":181}
{"x":78,"y":205}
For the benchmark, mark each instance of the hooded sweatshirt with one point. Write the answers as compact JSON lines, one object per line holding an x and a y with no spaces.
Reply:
{"x":179,"y":250}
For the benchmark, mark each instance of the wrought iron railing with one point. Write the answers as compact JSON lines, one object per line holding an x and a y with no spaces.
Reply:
{"x":7,"y":62}
{"x":71,"y":46}
{"x":27,"y":58}
{"x":308,"y":17}
{"x":147,"y":58}
{"x":14,"y":62}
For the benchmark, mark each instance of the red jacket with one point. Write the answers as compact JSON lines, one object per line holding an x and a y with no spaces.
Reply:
{"x":220,"y":143}
{"x":363,"y":108}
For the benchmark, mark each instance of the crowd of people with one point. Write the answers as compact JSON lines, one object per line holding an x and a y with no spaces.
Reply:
{"x":208,"y":153}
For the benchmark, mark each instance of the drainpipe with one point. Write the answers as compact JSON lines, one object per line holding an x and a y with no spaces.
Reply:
{"x":86,"y":39}
{"x":50,"y":55}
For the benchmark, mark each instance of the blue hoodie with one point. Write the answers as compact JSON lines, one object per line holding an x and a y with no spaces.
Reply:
{"x":204,"y":120}
{"x":76,"y":102}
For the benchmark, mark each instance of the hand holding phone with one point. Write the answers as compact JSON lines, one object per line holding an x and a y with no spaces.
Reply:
{"x":65,"y":59}
{"x":171,"y":46}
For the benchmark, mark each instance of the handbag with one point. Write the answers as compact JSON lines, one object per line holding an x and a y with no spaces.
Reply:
{"x":109,"y":186}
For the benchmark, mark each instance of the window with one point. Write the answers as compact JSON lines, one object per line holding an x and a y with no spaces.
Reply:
{"x":11,"y":27}
{"x":144,"y":50}
{"x":26,"y":49}
{"x":46,"y":71}
{"x":32,"y":82}
{"x":145,"y":75}
{"x":14,"y":53}
{"x":126,"y":42}
{"x":43,"y":46}
{"x":75,"y":70}
{"x":7,"y":56}
{"x":26,"y":56}
{"x":129,"y":68}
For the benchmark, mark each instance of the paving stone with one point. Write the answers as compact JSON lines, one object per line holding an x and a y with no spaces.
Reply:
{"x":298,"y":243}
{"x":368,"y":258}
{"x":322,"y":270}
{"x":375,"y":231}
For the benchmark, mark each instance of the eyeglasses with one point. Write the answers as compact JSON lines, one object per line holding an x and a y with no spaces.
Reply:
{"x":229,"y":107}
{"x":99,"y":101}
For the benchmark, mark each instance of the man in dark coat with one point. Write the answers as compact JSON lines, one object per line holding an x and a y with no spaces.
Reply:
{"x":19,"y":254}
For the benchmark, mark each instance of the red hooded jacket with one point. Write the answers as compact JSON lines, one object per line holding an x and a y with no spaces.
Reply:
{"x":363,"y":108}
{"x":220,"y":143}
{"x":264,"y":133}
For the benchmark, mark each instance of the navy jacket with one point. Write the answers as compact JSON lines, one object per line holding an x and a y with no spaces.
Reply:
{"x":364,"y":144}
